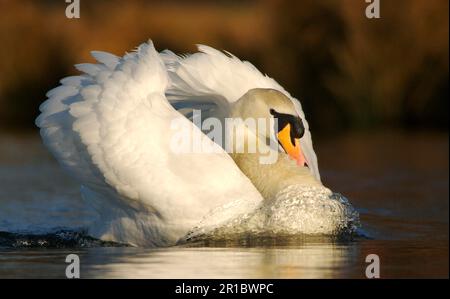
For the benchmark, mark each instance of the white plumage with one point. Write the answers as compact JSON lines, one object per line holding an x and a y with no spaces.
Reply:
{"x":213,"y":77}
{"x":110,"y":129}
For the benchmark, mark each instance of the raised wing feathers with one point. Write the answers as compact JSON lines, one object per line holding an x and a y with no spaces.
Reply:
{"x":214,"y":79}
{"x":111,"y":129}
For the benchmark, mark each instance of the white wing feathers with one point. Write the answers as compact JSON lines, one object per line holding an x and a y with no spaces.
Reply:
{"x":215,"y":79}
{"x":110,"y":129}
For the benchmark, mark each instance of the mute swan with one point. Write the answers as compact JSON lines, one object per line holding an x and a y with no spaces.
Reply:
{"x":109,"y":128}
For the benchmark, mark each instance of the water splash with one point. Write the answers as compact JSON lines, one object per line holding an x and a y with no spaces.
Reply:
{"x":296,"y":210}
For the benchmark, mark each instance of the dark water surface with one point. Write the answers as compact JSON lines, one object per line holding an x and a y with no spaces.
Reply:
{"x":398,"y":181}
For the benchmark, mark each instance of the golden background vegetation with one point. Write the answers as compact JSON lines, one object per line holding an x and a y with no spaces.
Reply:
{"x":349,"y":72}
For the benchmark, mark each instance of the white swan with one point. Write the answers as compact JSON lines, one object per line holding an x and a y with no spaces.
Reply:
{"x":110,"y":128}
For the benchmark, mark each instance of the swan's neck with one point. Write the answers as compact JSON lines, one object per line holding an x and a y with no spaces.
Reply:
{"x":270,"y":178}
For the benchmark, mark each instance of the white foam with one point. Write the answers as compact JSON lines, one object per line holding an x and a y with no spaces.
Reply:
{"x":296,"y":210}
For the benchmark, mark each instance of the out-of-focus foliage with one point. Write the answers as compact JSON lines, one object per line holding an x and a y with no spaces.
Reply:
{"x":348,"y":71}
{"x":395,"y":71}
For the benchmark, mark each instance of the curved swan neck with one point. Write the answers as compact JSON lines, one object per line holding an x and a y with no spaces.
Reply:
{"x":269,"y":179}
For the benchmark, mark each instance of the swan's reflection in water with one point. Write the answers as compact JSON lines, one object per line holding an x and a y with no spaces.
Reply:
{"x":405,"y":259}
{"x":314,"y":260}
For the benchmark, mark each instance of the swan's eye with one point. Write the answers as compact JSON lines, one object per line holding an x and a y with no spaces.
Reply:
{"x":289,"y":131}
{"x":296,"y":125}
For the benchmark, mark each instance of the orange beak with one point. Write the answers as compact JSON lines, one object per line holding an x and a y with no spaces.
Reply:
{"x":293,"y":150}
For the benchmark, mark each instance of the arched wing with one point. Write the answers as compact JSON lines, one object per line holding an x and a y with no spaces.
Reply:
{"x":209,"y":80}
{"x":112,"y":129}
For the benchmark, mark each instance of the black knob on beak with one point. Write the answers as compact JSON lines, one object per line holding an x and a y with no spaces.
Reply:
{"x":298,"y":128}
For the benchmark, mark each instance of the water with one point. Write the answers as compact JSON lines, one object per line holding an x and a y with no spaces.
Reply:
{"x":397,"y":181}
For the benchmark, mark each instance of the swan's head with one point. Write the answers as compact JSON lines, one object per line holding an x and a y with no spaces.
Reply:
{"x":272,"y":105}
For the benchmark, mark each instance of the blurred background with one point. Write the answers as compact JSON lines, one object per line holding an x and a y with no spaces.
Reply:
{"x":375,"y":93}
{"x":349,"y":72}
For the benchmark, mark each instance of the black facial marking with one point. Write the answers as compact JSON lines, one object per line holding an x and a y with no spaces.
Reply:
{"x":297,"y":128}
